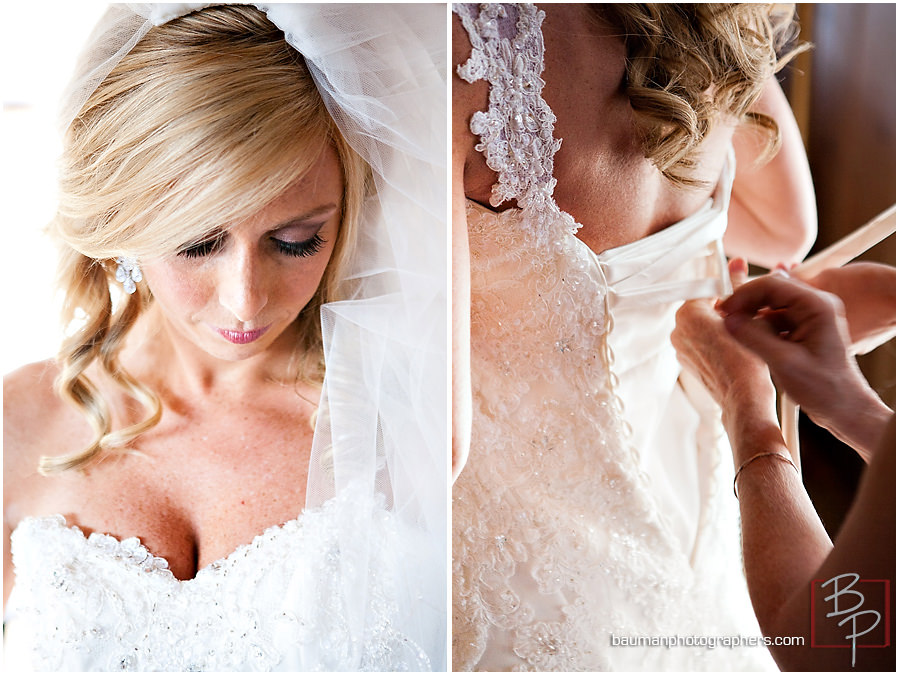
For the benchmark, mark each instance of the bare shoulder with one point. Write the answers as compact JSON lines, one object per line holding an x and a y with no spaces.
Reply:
{"x":36,"y":422}
{"x":28,"y":402}
{"x":39,"y":374}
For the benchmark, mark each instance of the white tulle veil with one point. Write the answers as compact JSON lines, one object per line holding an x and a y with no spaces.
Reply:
{"x":381,"y":429}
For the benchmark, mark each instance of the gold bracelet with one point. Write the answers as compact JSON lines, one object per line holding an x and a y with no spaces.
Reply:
{"x":755,"y":457}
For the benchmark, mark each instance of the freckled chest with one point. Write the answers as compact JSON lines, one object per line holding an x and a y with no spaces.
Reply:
{"x":202,"y":484}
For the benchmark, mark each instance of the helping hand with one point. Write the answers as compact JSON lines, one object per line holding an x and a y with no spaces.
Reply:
{"x":802,"y":334}
{"x":737,"y":379}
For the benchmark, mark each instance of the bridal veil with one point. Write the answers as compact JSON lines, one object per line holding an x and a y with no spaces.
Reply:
{"x":381,"y":429}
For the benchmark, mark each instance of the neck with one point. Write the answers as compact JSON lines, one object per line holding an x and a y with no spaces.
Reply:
{"x":157,"y":353}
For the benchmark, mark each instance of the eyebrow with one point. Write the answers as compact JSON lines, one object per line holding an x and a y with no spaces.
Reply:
{"x":296,"y":220}
{"x":312,"y":213}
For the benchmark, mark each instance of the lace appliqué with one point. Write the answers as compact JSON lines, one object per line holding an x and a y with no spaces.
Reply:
{"x":558,"y":541}
{"x":98,"y":603}
{"x":554,"y":527}
{"x":516,"y":130}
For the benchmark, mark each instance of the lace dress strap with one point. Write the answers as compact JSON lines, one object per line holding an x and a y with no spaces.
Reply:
{"x":516,"y":130}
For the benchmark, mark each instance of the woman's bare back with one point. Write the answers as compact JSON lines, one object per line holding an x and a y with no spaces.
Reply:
{"x":603,"y":179}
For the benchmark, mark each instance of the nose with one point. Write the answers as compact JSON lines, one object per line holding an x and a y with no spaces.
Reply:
{"x":242,"y":286}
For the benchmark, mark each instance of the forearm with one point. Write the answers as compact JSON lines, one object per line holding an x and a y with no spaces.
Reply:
{"x":785,"y":547}
{"x":762,"y":235}
{"x":748,"y":415}
{"x":783,"y":541}
{"x":782,"y":537}
{"x":865,"y":546}
{"x":860,"y":425}
{"x":772,"y":217}
{"x":461,"y":389}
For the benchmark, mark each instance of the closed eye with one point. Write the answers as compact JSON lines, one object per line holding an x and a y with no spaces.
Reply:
{"x":300,"y":249}
{"x":203,"y":248}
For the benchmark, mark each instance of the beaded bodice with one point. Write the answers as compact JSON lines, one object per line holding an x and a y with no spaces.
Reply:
{"x":562,"y":541}
{"x":98,"y":603}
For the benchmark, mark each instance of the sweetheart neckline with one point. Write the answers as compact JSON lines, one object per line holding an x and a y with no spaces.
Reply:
{"x":152,"y":562}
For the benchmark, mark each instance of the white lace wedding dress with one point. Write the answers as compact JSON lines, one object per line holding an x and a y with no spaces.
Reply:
{"x":97,"y":603}
{"x":596,"y":504}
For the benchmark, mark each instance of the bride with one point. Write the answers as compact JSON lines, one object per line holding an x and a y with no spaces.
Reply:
{"x":599,"y":152}
{"x":251,"y":222}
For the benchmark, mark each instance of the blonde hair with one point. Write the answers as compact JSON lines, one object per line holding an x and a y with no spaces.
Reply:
{"x":689,"y":64}
{"x":212,"y":104}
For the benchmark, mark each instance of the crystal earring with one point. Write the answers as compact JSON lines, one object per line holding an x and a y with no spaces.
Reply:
{"x":128,"y":273}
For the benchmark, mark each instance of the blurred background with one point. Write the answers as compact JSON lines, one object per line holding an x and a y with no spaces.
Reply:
{"x":843,"y":93}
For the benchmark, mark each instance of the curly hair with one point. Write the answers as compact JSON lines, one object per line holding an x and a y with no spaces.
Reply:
{"x":212,"y":104}
{"x":689,"y":64}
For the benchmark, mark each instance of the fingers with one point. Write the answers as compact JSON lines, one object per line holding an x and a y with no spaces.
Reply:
{"x":777,"y":291}
{"x":728,"y":371}
{"x":799,"y":331}
{"x":759,"y":336}
{"x":694,"y":322}
{"x":695,"y":318}
{"x":779,"y":319}
{"x":782,"y":267}
{"x":738,"y":270}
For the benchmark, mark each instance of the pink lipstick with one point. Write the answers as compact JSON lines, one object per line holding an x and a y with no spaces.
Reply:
{"x":241,"y":337}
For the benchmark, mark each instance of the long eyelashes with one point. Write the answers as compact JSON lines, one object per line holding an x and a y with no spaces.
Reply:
{"x":203,"y":248}
{"x":300,"y":249}
{"x":297,"y":249}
